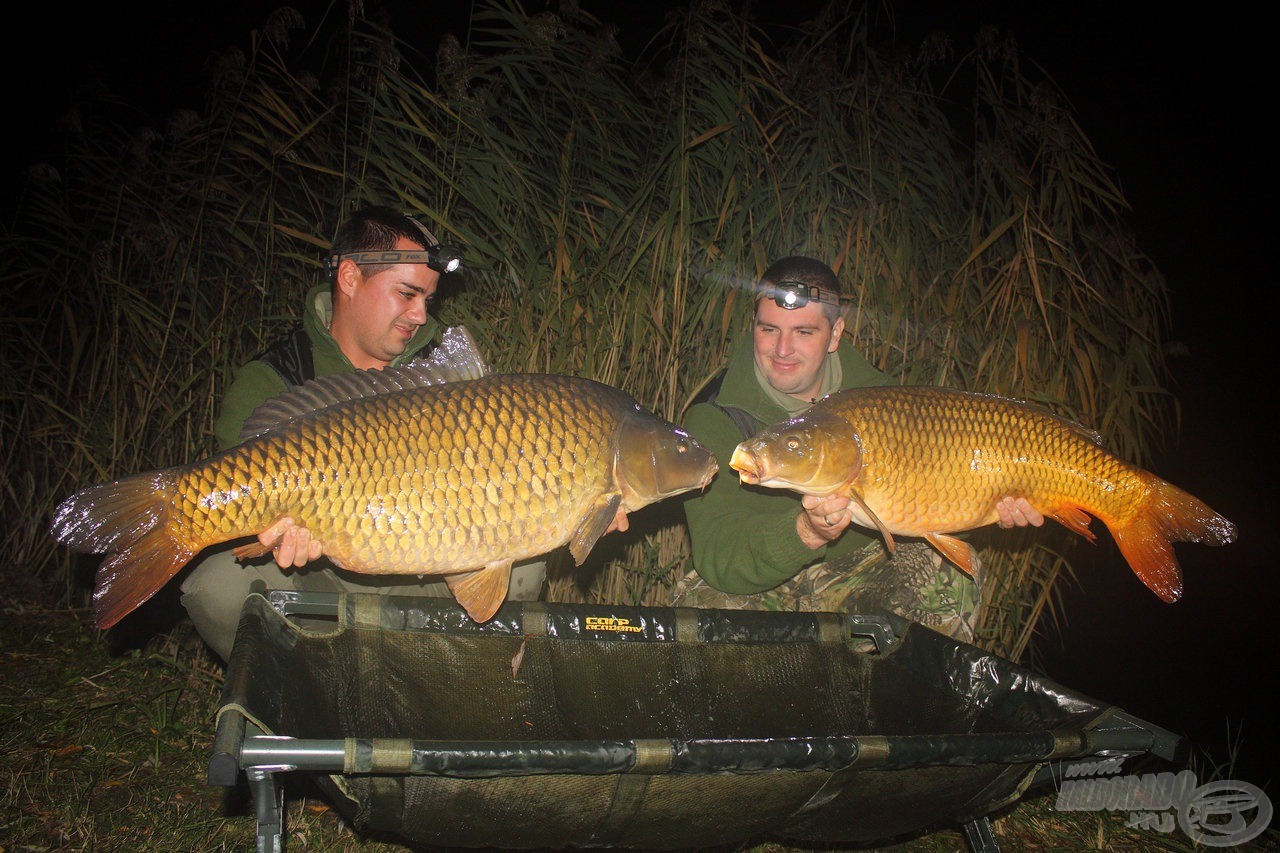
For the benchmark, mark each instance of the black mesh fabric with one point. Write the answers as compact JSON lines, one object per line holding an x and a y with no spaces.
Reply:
{"x":426,"y":673}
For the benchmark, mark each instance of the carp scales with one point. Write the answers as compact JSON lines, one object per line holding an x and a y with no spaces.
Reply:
{"x":434,"y":468}
{"x":928,"y":462}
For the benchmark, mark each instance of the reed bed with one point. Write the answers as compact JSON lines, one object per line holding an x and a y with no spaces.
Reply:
{"x":612,"y":208}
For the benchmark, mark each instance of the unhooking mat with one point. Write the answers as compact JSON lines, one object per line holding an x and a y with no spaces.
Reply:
{"x":559,"y":725}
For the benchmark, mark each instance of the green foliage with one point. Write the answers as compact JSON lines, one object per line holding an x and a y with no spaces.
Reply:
{"x":611,"y":211}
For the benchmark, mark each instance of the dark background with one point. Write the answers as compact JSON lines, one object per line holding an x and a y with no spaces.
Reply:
{"x":1175,"y":102}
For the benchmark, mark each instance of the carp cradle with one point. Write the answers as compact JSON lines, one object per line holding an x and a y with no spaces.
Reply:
{"x":556,"y":725}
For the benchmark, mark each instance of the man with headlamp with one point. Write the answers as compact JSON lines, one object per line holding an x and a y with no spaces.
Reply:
{"x":772,"y":549}
{"x":383,"y":271}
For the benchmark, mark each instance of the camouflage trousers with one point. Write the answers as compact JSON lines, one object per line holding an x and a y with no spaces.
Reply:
{"x":914,"y":584}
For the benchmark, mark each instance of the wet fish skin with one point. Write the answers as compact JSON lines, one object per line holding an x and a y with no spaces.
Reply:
{"x":459,"y":479}
{"x":929,"y":462}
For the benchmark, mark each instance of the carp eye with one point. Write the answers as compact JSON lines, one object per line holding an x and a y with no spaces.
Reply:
{"x":682,"y":446}
{"x":793,"y":443}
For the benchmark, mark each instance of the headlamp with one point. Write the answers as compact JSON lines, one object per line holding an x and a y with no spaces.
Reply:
{"x":794,"y":294}
{"x":441,"y":258}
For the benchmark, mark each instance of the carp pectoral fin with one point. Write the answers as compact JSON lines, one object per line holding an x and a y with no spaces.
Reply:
{"x":593,"y":527}
{"x":884,"y":531}
{"x":956,"y":550}
{"x":481,"y":592}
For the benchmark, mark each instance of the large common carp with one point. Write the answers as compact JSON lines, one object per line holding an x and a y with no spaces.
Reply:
{"x":434,"y":468}
{"x":928,"y":462}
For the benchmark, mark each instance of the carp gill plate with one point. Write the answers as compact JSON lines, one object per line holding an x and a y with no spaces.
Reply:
{"x":433,"y":468}
{"x":928,"y":462}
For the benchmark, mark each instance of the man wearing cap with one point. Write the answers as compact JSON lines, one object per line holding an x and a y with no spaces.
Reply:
{"x":773,"y":549}
{"x":384,"y":268}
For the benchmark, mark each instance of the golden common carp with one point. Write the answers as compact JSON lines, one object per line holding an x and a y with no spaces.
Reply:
{"x":433,"y":468}
{"x":928,"y":462}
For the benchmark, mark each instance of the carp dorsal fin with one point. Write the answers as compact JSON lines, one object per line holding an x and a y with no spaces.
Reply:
{"x":1086,"y":432}
{"x":456,"y":358}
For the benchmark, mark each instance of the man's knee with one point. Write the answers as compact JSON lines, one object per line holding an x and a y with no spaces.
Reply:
{"x":213,"y":595}
{"x":526,"y":581}
{"x":214,"y":591}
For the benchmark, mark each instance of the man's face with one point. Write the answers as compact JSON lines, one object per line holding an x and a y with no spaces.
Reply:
{"x":375,"y":316}
{"x":791,"y":346}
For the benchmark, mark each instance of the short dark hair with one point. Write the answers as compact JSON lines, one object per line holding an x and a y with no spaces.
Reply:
{"x":376,"y":229}
{"x":808,"y":271}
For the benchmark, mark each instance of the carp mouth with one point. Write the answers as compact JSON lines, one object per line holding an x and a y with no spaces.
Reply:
{"x":709,"y":472}
{"x":655,"y":460}
{"x":746,"y":465}
{"x":713,"y":467}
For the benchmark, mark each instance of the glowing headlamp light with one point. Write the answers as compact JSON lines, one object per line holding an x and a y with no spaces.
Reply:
{"x":795,"y":294}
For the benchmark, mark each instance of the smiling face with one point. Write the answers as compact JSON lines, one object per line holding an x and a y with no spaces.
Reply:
{"x":377,"y":310}
{"x":791,"y":346}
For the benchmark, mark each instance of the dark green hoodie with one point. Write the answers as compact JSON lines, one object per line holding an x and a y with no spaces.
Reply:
{"x":256,"y":382}
{"x":744,"y":538}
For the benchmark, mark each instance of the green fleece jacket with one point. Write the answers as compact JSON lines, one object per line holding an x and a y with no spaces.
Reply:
{"x":256,"y":382}
{"x":744,"y":537}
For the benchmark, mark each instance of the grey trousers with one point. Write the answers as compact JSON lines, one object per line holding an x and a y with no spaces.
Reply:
{"x":213,"y":592}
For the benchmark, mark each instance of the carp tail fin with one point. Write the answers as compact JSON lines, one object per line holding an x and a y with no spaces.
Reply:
{"x":128,"y":521}
{"x":1171,"y":515}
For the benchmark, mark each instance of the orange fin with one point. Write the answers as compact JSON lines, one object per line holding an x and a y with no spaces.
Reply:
{"x":128,"y":520}
{"x":1074,"y":519}
{"x":956,"y":550}
{"x":250,"y":551}
{"x":593,"y":526}
{"x":481,"y":592}
{"x":884,"y":531}
{"x":1170,"y":516}
{"x":130,"y":577}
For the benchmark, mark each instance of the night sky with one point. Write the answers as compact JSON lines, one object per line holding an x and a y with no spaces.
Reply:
{"x":1176,"y":104}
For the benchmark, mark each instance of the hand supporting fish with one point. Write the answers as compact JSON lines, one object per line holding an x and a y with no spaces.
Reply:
{"x":822,"y":519}
{"x":931,"y":462}
{"x":1017,"y":512}
{"x":290,"y":543}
